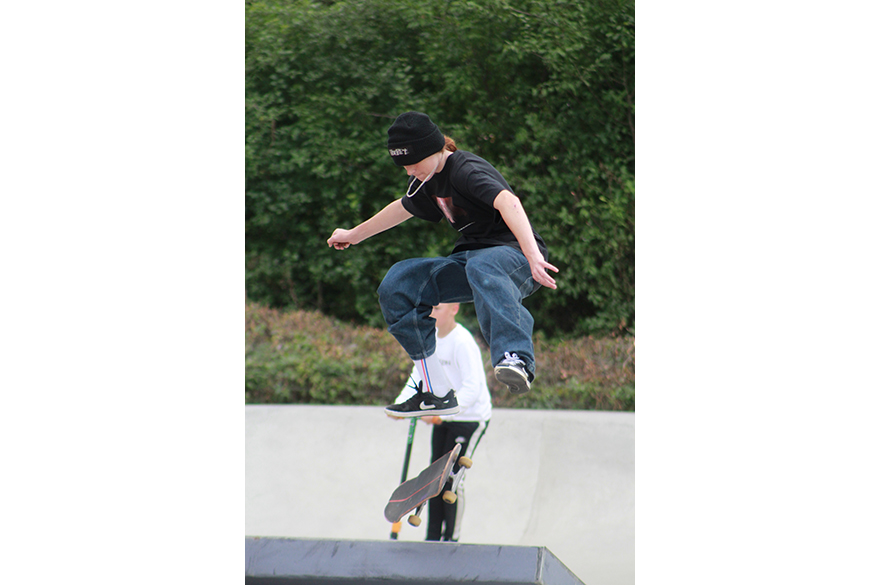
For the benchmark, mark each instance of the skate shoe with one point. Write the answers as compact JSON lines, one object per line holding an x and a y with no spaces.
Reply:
{"x":425,"y":404}
{"x":512,"y":372}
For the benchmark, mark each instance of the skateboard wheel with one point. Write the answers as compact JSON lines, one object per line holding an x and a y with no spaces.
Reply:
{"x":465,"y":462}
{"x":414,"y":520}
{"x":450,"y":497}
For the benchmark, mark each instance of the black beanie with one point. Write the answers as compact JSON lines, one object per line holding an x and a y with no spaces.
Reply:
{"x":413,"y":137}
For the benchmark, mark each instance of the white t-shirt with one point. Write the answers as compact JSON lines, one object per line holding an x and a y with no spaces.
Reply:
{"x":460,"y":358}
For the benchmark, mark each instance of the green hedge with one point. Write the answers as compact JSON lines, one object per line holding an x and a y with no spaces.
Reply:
{"x":304,"y":357}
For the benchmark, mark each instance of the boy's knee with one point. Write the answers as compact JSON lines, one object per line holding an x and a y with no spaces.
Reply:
{"x":486,"y":275}
{"x":384,"y":288}
{"x":389,"y":282}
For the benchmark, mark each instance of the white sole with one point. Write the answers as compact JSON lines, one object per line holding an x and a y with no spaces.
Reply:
{"x":421,"y":413}
{"x":516,"y":383}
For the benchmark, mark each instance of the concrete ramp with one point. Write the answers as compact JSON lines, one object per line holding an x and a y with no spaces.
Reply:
{"x":563,"y":480}
{"x":297,"y":561}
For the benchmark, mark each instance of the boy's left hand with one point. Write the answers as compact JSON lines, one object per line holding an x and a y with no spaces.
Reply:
{"x":539,"y":272}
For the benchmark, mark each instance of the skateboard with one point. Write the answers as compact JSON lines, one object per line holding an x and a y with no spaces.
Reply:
{"x":414,"y":493}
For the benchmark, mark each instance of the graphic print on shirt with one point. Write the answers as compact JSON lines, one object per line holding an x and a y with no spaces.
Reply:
{"x":451,"y":211}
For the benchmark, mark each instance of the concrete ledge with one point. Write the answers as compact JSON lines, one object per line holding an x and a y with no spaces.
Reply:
{"x":297,"y":561}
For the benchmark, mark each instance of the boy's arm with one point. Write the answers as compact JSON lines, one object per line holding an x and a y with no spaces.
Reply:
{"x":512,"y":211}
{"x":386,"y":218}
{"x":469,"y":364}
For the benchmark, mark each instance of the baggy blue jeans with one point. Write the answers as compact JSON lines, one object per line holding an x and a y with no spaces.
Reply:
{"x":495,"y":279}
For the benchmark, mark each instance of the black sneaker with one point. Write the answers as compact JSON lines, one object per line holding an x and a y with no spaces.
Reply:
{"x":512,"y":372}
{"x":425,"y":404}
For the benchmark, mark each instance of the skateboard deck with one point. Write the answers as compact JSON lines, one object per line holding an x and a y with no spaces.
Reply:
{"x":413,"y":493}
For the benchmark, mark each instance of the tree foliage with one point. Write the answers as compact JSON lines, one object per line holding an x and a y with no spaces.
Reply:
{"x":542,"y":89}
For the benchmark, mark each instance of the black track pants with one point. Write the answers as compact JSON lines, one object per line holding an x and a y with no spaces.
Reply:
{"x":445,"y":520}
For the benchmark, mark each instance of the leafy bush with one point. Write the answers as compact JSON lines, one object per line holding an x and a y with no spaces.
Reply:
{"x":304,"y":357}
{"x":583,"y":373}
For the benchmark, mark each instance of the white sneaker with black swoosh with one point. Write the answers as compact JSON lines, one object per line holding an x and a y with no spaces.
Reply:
{"x":425,"y":404}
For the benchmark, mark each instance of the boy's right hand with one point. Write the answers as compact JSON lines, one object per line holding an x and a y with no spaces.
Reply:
{"x":340,"y":239}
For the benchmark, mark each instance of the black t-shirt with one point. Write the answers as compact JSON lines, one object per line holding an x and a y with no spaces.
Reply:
{"x":464,"y":192}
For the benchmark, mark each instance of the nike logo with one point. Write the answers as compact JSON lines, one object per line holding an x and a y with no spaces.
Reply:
{"x":423,"y":406}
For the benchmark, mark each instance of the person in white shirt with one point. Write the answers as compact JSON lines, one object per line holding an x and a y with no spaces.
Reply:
{"x":459,"y":355}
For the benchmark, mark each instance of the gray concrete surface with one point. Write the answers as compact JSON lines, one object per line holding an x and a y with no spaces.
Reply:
{"x":563,"y":480}
{"x":290,"y":561}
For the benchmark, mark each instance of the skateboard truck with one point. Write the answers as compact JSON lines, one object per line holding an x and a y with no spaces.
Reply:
{"x":412,"y":494}
{"x":449,"y":496}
